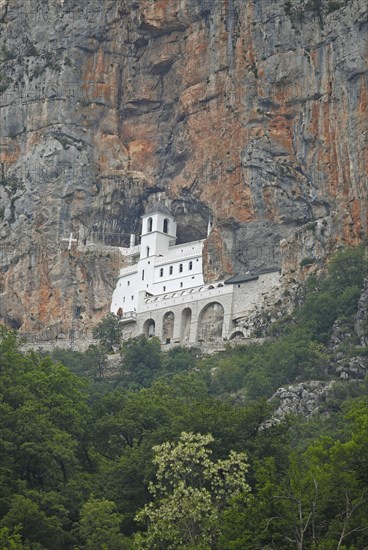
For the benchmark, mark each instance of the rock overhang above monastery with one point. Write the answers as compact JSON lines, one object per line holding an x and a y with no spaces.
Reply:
{"x":158,"y":207}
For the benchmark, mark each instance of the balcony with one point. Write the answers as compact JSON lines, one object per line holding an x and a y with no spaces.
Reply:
{"x":128,"y":317}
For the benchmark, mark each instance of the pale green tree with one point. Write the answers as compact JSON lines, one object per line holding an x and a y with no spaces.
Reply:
{"x":10,"y":540}
{"x":190,"y":492}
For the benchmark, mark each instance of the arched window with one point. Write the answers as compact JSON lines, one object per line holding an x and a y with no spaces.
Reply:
{"x":147,"y":251}
{"x":149,"y":224}
{"x":210,"y":322}
{"x":161,"y":271}
{"x":168,"y":327}
{"x":180,"y":268}
{"x":190,"y":265}
{"x":149,"y":328}
{"x":166,"y":225}
{"x":238,"y":335}
{"x":186,"y":319}
{"x":171,"y":270}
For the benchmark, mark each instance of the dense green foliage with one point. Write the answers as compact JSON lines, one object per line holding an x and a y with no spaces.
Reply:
{"x":77,"y":463}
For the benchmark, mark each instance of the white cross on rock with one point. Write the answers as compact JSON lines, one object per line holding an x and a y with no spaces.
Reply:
{"x":70,"y":241}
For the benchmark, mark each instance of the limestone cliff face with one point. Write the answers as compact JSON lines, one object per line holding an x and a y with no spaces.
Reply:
{"x":251,"y":111}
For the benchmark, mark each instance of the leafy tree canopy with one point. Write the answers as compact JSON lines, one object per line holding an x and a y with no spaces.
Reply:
{"x":189,"y":493}
{"x":108,"y":332}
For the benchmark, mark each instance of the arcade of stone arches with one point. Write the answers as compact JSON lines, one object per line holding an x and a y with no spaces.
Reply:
{"x":210,"y":325}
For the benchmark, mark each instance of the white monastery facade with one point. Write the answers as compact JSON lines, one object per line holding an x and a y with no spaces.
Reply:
{"x":163,"y":292}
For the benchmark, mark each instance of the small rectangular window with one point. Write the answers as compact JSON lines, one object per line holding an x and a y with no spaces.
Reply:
{"x":180,"y":268}
{"x":142,"y":274}
{"x":161,"y":272}
{"x":181,"y":285}
{"x":171,"y":270}
{"x":128,"y":283}
{"x":190,"y":265}
{"x":132,"y":297}
{"x":163,"y":288}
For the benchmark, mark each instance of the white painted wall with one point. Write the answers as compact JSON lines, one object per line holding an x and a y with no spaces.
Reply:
{"x":162,"y":282}
{"x":126,"y":291}
{"x":162,"y":266}
{"x":156,"y":241}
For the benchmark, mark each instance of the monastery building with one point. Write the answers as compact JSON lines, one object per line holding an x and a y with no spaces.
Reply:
{"x":163,"y":293}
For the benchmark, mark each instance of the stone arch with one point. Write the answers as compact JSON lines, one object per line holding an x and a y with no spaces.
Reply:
{"x":168,"y":327}
{"x":237,"y":335}
{"x":186,"y":320}
{"x":210,"y":322}
{"x":149,"y":328}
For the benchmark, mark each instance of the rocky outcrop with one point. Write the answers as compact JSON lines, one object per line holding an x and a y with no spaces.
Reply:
{"x":309,"y":397}
{"x":349,"y":342}
{"x":303,"y":399}
{"x":350,"y":368}
{"x":361,"y":318}
{"x":253,"y":112}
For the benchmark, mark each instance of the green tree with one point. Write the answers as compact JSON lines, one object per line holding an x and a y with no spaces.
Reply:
{"x":35,"y":525}
{"x":347,"y":268}
{"x":318,"y":314}
{"x":44,"y":414}
{"x":335,"y":295}
{"x":11,"y":540}
{"x":314,"y":499}
{"x":96,"y":359}
{"x":250,"y":523}
{"x":108,"y":332}
{"x":44,"y":419}
{"x":99,"y":526}
{"x":125,"y":419}
{"x":180,"y":359}
{"x":142,"y":361}
{"x":189,"y":494}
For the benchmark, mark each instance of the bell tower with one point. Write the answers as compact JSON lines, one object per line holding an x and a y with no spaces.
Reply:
{"x":158,"y":231}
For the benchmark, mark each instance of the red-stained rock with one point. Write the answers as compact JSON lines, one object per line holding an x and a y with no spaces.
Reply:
{"x":249,"y":110}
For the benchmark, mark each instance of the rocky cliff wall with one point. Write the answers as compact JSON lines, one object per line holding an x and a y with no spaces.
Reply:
{"x":249,"y":110}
